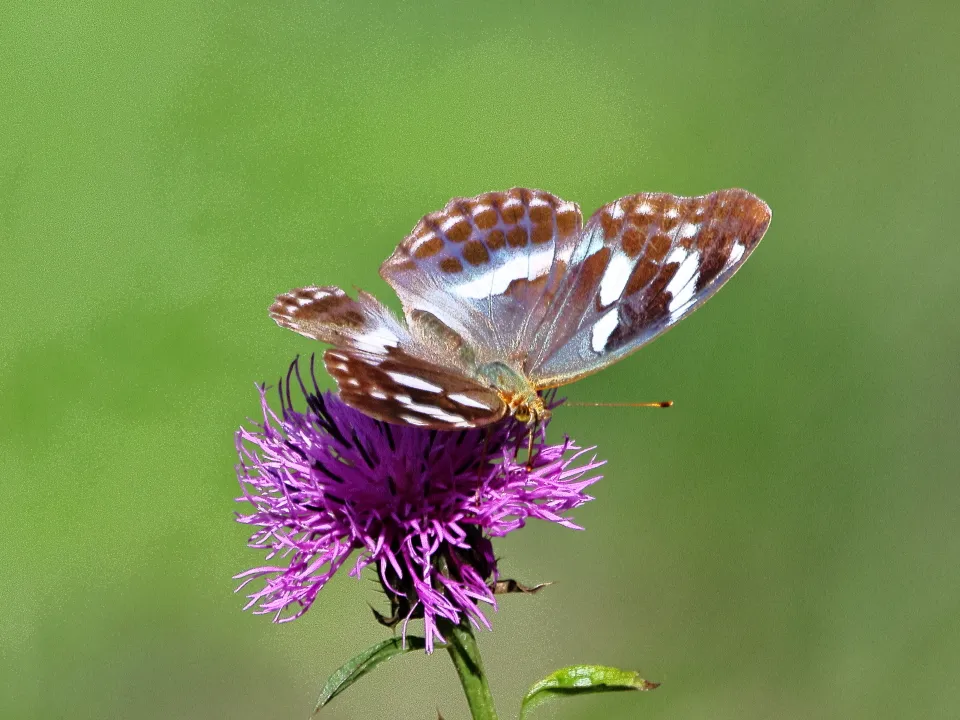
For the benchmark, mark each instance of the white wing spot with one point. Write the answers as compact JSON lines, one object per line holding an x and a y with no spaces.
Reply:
{"x":413,"y":420}
{"x":511,"y":202}
{"x":615,"y":278}
{"x":676,"y":255}
{"x":603,"y":329}
{"x":468,"y":401}
{"x":538,"y":202}
{"x":682,"y":285}
{"x":301,"y":301}
{"x":688,"y":230}
{"x":403,"y":399}
{"x":496,"y":280}
{"x":645,"y":208}
{"x":672,"y":213}
{"x":376,"y":340}
{"x":377,"y":394}
{"x":588,"y":245}
{"x":353,"y":382}
{"x":450,"y":223}
{"x":426,"y":238}
{"x":616,"y":212}
{"x":736,"y":252}
{"x":436,"y":412}
{"x":414,"y":382}
{"x":480,"y":209}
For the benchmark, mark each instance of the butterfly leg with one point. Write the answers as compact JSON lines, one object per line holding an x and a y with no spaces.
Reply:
{"x":532,"y":433}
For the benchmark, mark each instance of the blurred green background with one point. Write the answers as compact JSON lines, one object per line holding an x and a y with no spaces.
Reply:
{"x":784,"y":543}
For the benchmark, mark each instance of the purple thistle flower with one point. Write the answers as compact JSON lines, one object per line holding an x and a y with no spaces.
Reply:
{"x":420,"y":505}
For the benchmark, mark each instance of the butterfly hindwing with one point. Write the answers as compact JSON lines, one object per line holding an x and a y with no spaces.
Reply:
{"x":380,"y":368}
{"x":400,"y":388}
{"x":330,"y":315}
{"x":639,"y":266}
{"x":483,"y":266}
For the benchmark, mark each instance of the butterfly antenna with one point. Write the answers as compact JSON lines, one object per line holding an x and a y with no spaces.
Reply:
{"x":661,"y":404}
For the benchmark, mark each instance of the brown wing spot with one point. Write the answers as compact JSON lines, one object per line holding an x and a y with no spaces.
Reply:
{"x":451,"y":265}
{"x":521,"y":288}
{"x":475,"y":253}
{"x":656,"y":301}
{"x":663,"y":279}
{"x":659,"y":247}
{"x":523,"y":194}
{"x":611,"y":226}
{"x":322,"y":306}
{"x":353,"y":318}
{"x":711,"y":266}
{"x":492,"y":198}
{"x":633,"y":241}
{"x":641,"y":276}
{"x":669,"y":221}
{"x":567,"y":220}
{"x":710,"y":236}
{"x":593,"y":268}
{"x":689,"y":207}
{"x":756,"y":217}
{"x":541,"y":213}
{"x":541,"y":233}
{"x":512,"y":213}
{"x":428,"y":248}
{"x":517,"y":237}
{"x":458,"y":231}
{"x":485,"y":217}
{"x":628,"y":204}
{"x":659,"y":203}
{"x":496,"y":240}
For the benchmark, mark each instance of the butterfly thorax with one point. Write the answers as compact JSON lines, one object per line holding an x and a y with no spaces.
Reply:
{"x":515,"y":390}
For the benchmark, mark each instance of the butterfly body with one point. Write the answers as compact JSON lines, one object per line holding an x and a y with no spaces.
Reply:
{"x":508,"y":294}
{"x":516,"y":391}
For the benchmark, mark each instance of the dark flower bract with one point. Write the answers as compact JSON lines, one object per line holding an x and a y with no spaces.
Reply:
{"x":419,"y":505}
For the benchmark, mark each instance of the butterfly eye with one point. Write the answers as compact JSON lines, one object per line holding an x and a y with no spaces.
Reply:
{"x":522,"y":415}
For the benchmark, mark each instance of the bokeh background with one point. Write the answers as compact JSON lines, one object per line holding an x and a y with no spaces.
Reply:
{"x":784,"y":543}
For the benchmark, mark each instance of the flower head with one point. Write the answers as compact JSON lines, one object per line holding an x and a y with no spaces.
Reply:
{"x":419,"y":505}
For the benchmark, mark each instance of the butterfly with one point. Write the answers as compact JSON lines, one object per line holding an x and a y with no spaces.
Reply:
{"x":508,"y":294}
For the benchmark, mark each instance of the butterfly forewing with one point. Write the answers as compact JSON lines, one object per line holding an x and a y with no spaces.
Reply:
{"x":379,"y":367}
{"x":400,"y":388}
{"x":639,"y":266}
{"x":486,"y":266}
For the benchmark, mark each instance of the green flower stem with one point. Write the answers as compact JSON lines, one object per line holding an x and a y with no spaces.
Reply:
{"x":462,"y":646}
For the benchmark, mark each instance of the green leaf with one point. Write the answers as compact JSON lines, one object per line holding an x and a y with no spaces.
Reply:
{"x":579,"y":680}
{"x":354,"y":669}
